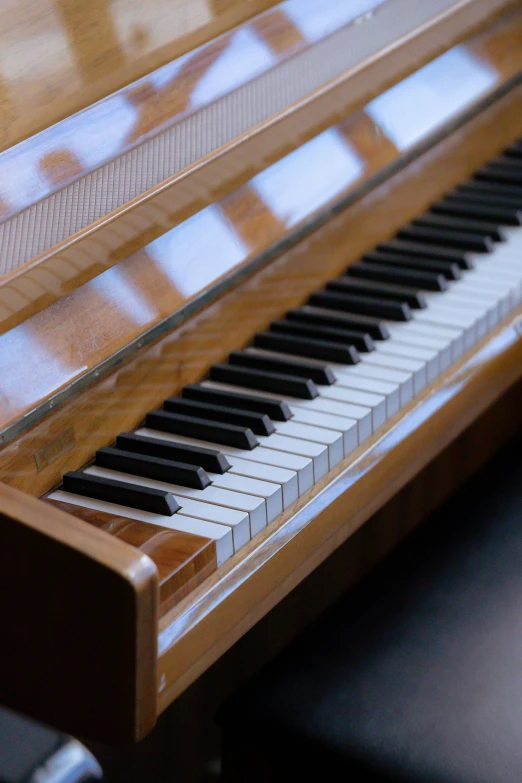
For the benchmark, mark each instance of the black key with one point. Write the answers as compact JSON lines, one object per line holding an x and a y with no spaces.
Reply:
{"x":208,"y":459}
{"x":497,"y":173}
{"x":434,"y":269}
{"x":399,"y":274}
{"x":455,"y":223}
{"x":301,"y":346}
{"x":286,"y":385}
{"x":156,"y":501}
{"x":473,"y":207}
{"x":152,"y":467}
{"x":362,"y":342}
{"x":317,"y":372}
{"x":459,"y":239}
{"x":514,"y":151}
{"x":506,"y":162}
{"x":425,"y":250}
{"x":202,"y":429}
{"x":357,"y":323}
{"x":397,"y":293}
{"x":259,"y":423}
{"x":379,"y":308}
{"x":495,"y":189}
{"x":277,"y":411}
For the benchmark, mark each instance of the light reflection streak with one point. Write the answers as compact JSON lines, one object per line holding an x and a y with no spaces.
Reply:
{"x":430,"y":97}
{"x":47,"y":370}
{"x":316,"y":19}
{"x":198,"y":251}
{"x":309,"y":177}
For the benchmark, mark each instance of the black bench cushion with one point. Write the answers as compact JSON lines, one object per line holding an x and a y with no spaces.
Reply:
{"x":418,"y":673}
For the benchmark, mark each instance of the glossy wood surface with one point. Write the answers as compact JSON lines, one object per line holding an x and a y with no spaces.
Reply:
{"x":79,"y":608}
{"x":76,"y":334}
{"x":119,"y":402}
{"x":61,"y":153}
{"x":183,"y":561}
{"x":59,"y":56}
{"x":78,"y":259}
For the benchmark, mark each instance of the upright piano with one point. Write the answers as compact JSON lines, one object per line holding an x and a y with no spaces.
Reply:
{"x":260,"y":312}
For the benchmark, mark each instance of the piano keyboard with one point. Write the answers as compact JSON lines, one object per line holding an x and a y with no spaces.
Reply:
{"x":227,"y":457}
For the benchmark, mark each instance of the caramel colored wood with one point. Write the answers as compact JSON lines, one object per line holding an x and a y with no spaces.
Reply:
{"x":79,"y":630}
{"x":59,"y":57}
{"x":118,"y":403}
{"x":183,"y":560}
{"x":51,"y":275}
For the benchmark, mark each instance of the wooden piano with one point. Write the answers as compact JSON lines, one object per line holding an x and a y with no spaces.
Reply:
{"x":260,"y":312}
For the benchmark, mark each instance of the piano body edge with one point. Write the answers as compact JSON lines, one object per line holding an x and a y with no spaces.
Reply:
{"x":80,"y":622}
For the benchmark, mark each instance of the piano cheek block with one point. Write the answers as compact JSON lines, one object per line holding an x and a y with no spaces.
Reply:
{"x":183,"y":560}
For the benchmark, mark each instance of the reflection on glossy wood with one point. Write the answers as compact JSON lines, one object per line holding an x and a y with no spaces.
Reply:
{"x":58,"y":58}
{"x":183,"y":560}
{"x":79,"y":608}
{"x":78,"y":259}
{"x":125,"y":118}
{"x":83,"y":329}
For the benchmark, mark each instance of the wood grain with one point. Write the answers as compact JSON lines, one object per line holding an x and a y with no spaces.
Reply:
{"x":183,"y":560}
{"x":79,"y":627}
{"x":74,"y":335}
{"x":51,"y":275}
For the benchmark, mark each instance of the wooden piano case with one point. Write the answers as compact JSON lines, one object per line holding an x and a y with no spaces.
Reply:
{"x":101,"y":326}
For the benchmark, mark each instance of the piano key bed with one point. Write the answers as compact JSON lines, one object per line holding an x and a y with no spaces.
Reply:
{"x":215,"y":466}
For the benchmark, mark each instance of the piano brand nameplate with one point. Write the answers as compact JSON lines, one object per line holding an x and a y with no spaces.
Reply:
{"x":55,"y":449}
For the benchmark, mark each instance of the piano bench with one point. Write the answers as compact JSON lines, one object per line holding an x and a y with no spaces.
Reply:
{"x":416,"y":675}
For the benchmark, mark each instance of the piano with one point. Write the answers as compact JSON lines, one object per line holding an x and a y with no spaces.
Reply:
{"x":260,"y":313}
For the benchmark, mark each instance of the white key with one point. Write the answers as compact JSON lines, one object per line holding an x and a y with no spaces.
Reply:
{"x":348,"y":427}
{"x":441,"y":345}
{"x":453,"y":304}
{"x":317,"y":452}
{"x":374,"y":402}
{"x":454,"y":336}
{"x":363,"y":416}
{"x":479,"y":288}
{"x":416,"y":368}
{"x":221,"y":534}
{"x":427,"y":355}
{"x":390,"y":391}
{"x":333,"y":440}
{"x":253,"y":506}
{"x":303,"y":466}
{"x":286,"y":479}
{"x":464,"y":322}
{"x":404,"y":380}
{"x":272,"y":493}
